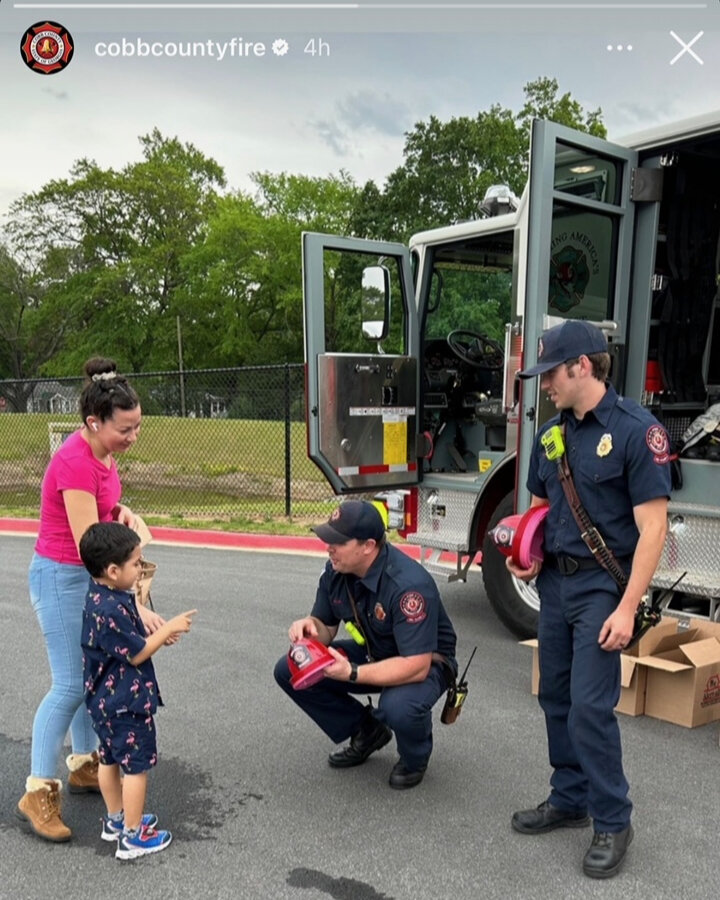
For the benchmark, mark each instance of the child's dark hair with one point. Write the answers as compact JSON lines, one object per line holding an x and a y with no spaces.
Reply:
{"x":105,"y":390}
{"x":105,"y":543}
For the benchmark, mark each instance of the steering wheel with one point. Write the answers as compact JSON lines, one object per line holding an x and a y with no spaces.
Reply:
{"x":477,"y":350}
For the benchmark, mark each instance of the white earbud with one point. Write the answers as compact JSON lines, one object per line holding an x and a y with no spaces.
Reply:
{"x":94,"y":426}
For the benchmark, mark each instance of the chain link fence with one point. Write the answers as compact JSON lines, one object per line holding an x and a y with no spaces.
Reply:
{"x":215,"y":444}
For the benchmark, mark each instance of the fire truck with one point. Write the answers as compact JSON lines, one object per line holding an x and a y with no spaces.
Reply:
{"x":412,"y":353}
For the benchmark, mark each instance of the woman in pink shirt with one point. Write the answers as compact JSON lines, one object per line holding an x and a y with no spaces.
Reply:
{"x":81,"y":486}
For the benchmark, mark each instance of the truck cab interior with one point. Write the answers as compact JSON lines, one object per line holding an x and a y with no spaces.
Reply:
{"x":684,"y":340}
{"x":468,"y":304}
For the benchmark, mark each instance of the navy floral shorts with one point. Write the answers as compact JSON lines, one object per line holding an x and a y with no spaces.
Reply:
{"x":128,"y":741}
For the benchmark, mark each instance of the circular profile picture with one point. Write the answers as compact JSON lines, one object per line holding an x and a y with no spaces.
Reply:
{"x":47,"y":47}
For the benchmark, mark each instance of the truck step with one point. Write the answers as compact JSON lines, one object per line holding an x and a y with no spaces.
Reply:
{"x":425,"y":539}
{"x":444,"y":570}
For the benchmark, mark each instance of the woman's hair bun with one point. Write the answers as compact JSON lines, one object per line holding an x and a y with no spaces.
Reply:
{"x":99,"y":365}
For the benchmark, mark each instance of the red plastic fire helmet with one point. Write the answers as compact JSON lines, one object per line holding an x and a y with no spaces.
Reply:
{"x":307,"y":660}
{"x":521,"y":537}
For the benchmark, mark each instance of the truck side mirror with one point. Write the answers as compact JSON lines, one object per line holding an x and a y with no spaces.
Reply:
{"x":375,"y":302}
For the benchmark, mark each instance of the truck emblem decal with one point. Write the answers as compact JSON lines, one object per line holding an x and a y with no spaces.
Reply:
{"x":569,"y":276}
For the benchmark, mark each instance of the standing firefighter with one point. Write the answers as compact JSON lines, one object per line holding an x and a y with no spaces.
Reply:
{"x":403,"y":647}
{"x":617,"y":456}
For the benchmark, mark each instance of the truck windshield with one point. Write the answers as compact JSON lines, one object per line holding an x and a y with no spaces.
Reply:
{"x":470,"y":287}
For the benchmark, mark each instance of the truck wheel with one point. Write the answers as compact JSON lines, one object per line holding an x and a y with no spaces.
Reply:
{"x":516,"y":602}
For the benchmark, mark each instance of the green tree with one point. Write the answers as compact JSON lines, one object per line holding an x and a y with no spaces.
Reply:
{"x":122,"y":236}
{"x":33,"y":321}
{"x":448,"y":166}
{"x":243,"y":298}
{"x":542,"y":102}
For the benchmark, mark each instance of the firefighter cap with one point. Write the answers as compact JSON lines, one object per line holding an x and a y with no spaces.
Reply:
{"x":567,"y":341}
{"x":353,"y":519}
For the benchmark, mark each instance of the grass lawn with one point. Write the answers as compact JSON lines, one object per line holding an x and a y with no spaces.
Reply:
{"x":228,"y":473}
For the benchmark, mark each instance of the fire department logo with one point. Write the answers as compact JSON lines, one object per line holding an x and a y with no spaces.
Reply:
{"x":657,"y":441}
{"x":569,"y":277}
{"x":503,"y":535}
{"x":380,"y":613}
{"x":300,"y":656}
{"x":412,"y":606}
{"x":47,"y":47}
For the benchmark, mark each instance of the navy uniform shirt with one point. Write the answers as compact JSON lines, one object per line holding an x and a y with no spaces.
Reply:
{"x":112,"y":633}
{"x":398,"y":605}
{"x":619,"y":456}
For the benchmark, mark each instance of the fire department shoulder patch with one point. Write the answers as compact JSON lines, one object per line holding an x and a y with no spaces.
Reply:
{"x":657,"y":441}
{"x":412,"y":606}
{"x":47,"y":47}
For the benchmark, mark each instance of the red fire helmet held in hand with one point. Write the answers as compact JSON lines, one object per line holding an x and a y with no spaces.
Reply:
{"x":521,"y":537}
{"x":307,"y":660}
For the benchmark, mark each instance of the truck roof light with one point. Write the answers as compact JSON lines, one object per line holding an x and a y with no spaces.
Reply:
{"x":498,"y":199}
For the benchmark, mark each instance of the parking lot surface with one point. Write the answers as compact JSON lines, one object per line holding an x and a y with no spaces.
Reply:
{"x":256,"y":812}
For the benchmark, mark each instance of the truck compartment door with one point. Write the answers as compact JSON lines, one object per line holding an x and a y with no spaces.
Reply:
{"x":579,"y":256}
{"x":362,"y":392}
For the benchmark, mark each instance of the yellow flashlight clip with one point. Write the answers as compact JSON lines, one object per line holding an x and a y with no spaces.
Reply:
{"x":355,"y":633}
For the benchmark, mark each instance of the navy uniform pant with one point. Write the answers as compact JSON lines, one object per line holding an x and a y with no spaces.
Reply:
{"x":405,"y":708}
{"x":579,"y":689}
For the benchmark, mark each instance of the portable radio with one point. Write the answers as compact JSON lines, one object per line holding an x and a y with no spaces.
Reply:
{"x":553,"y":443}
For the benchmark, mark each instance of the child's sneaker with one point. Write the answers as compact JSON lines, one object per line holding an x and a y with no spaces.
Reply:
{"x":147,"y":840}
{"x":112,"y":831}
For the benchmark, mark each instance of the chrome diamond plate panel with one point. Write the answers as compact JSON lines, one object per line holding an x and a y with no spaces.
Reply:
{"x":692,"y":545}
{"x":444,"y":517}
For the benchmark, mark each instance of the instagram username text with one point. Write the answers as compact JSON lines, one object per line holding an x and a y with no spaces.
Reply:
{"x":219,"y":50}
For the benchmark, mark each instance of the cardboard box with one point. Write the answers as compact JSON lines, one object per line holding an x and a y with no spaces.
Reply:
{"x":683,"y":676}
{"x":633,"y":677}
{"x":633,"y":684}
{"x":535,"y":675}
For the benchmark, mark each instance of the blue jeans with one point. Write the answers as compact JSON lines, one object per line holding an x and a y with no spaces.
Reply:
{"x":57,"y":593}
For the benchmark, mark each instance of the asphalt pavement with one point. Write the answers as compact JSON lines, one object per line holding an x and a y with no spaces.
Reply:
{"x":256,"y":812}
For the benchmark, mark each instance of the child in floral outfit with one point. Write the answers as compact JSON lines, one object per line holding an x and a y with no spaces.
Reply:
{"x":121,"y":691}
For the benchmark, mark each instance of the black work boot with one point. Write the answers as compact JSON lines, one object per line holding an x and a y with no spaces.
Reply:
{"x":606,"y":853}
{"x":371,"y":737}
{"x":402,"y":778}
{"x":547,"y":818}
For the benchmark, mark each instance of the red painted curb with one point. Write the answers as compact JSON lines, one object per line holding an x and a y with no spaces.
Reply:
{"x":285,"y":543}
{"x":19,"y":526}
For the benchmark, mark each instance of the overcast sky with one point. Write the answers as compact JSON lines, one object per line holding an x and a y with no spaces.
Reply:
{"x":380,"y":71}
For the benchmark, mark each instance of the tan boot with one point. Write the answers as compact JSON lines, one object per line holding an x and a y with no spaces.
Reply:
{"x":83,"y":776}
{"x":40,"y":809}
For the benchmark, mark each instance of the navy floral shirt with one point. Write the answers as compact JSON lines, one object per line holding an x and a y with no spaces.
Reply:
{"x":112,"y":633}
